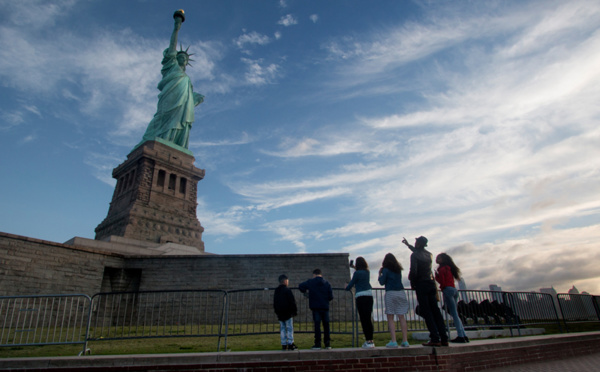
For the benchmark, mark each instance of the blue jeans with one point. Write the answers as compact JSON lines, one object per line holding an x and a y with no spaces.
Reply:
{"x":286,"y":330}
{"x":450,"y":300}
{"x":321,"y":315}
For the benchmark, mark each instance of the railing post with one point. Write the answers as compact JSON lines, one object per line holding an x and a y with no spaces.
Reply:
{"x":224,"y":320}
{"x":87,"y":327}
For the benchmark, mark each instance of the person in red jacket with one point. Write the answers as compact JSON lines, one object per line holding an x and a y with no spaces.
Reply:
{"x":445,"y":274}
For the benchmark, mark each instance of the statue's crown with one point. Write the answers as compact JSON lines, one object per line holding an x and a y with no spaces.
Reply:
{"x":181,"y":51}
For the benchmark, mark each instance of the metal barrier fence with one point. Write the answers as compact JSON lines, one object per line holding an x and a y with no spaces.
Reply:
{"x":532,"y":308}
{"x":478,"y":309}
{"x":44,"y":320}
{"x":250,"y":311}
{"x":579,"y":308}
{"x":380,"y":325}
{"x":78,"y":319}
{"x":512,"y":310}
{"x":154,"y":314}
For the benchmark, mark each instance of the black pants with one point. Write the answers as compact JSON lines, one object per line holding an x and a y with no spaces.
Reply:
{"x":430,"y":311}
{"x":364,"y":305}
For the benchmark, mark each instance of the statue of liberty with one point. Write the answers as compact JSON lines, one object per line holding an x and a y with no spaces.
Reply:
{"x":176,"y":100}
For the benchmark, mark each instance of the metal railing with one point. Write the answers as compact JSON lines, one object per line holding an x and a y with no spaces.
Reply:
{"x":154,"y":314}
{"x":250,"y":311}
{"x":497,"y":310}
{"x":579,"y":308}
{"x":531,"y":308}
{"x":44,"y":320}
{"x":380,"y":325}
{"x":78,"y":319}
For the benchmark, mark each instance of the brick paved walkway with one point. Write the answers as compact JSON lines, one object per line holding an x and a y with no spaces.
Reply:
{"x":588,"y":363}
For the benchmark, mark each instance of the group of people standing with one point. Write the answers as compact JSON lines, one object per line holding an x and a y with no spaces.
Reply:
{"x":396,"y":302}
{"x":320,"y":293}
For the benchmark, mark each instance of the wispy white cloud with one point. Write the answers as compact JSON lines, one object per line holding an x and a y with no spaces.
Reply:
{"x":102,"y":166}
{"x":287,"y":20}
{"x":35,"y":14}
{"x":251,"y":38}
{"x":269,"y":202}
{"x":243,"y":140}
{"x":228,"y":223}
{"x":314,"y":18}
{"x":33,"y":109}
{"x":258,"y":72}
{"x":292,"y":230}
{"x":10,"y":119}
{"x":29,"y":138}
{"x":351,"y":229}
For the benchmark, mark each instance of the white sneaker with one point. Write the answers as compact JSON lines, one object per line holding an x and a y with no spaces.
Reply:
{"x":368,"y":345}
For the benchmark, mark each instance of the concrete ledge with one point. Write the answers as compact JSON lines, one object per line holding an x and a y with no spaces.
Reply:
{"x":486,"y":333}
{"x":475,"y":356}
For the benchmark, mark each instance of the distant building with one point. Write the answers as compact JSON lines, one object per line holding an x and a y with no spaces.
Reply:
{"x":573,"y":290}
{"x":462,"y":285}
{"x":551,"y":291}
{"x":496,"y":296}
{"x":495,"y":288}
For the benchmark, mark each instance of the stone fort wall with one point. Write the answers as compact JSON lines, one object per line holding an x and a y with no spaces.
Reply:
{"x":32,"y":266}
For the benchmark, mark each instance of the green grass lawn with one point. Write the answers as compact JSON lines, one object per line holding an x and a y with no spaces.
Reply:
{"x":182,"y":345}
{"x":172,"y":345}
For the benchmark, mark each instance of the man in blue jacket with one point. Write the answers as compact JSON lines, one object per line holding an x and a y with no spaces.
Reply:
{"x":319,"y":296}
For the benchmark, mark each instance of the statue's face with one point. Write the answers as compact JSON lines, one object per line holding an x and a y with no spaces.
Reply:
{"x":182,"y":59}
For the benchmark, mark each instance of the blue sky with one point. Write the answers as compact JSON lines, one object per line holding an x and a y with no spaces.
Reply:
{"x":327,"y":126}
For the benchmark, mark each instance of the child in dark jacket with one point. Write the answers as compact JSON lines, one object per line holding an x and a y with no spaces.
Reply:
{"x":284,"y":305}
{"x":319,"y":295}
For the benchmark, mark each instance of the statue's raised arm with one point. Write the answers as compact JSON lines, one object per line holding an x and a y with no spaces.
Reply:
{"x":176,"y":100}
{"x":178,"y":17}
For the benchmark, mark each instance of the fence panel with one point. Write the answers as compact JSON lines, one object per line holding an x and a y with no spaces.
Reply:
{"x":532,"y":308}
{"x":44,"y":319}
{"x":77,"y":319}
{"x":154,"y":314}
{"x":579,"y":308}
{"x":250,"y":311}
{"x":380,"y":325}
{"x":482,"y":309}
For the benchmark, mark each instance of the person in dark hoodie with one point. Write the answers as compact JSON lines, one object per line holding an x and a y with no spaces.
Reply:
{"x":421,"y":280}
{"x":285,"y":307}
{"x":319,"y":296}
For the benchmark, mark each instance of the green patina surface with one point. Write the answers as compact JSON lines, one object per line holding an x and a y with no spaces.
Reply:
{"x":176,"y":100}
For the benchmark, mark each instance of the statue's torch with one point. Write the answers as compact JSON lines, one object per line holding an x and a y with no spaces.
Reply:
{"x":179,"y":14}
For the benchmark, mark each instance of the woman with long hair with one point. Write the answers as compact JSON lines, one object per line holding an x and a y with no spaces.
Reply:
{"x":445,"y":274}
{"x":390,"y":276}
{"x":364,"y":298}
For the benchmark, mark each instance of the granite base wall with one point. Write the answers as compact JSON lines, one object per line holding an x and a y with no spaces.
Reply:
{"x":237,"y":271}
{"x":32,"y":266}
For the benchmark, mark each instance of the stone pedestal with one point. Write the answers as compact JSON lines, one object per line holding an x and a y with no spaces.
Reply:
{"x":155,"y":198}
